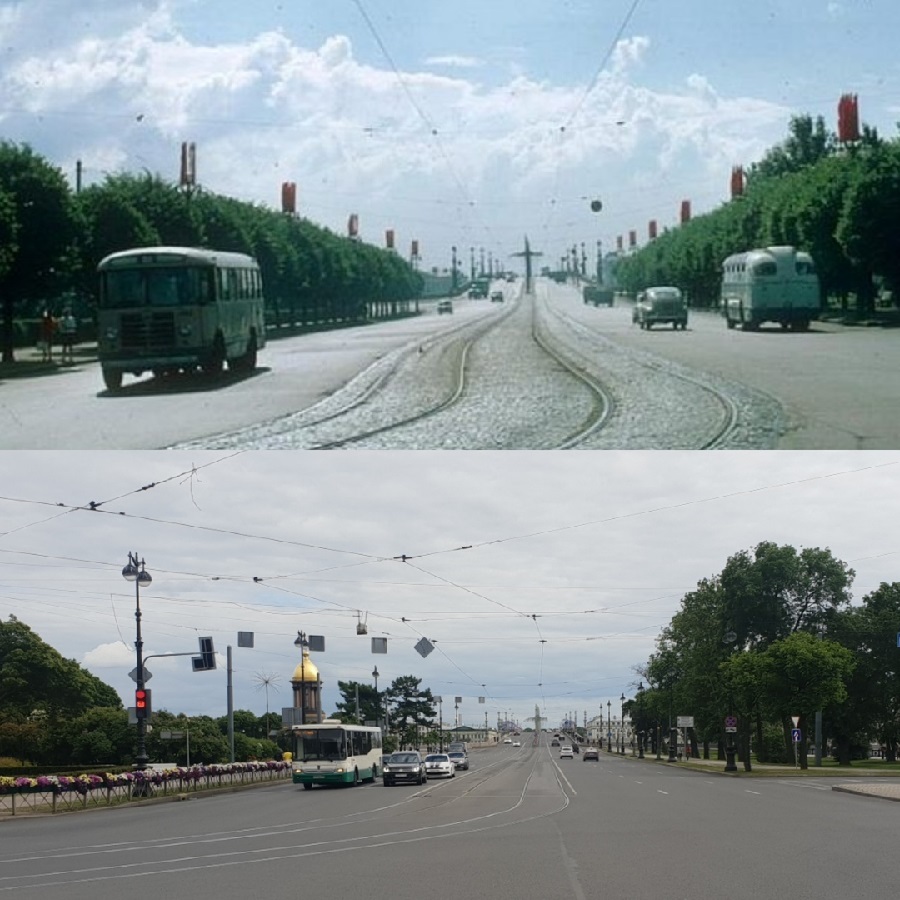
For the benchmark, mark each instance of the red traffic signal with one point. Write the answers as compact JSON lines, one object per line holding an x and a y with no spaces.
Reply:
{"x":142,"y":703}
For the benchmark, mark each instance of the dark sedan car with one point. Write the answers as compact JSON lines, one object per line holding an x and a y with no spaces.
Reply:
{"x":406,"y":765}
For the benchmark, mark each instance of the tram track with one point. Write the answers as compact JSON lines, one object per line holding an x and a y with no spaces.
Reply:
{"x":728,"y":418}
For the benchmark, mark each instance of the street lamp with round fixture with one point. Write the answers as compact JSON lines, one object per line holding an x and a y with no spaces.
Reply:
{"x":640,"y":734}
{"x":609,"y":726}
{"x":136,"y":572}
{"x":377,"y":706}
{"x":622,"y":728}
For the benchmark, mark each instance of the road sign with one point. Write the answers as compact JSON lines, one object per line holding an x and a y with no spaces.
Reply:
{"x":795,"y":735}
{"x":795,"y":720}
{"x":133,"y":675}
{"x":685,"y":721}
{"x":731,"y":721}
{"x":424,"y":647}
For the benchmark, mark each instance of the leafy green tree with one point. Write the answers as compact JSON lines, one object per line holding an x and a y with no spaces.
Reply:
{"x":777,"y":591}
{"x":42,"y":226}
{"x":867,"y":229}
{"x":36,"y":680}
{"x":808,"y":142}
{"x":803,"y":674}
{"x":100,"y":736}
{"x":9,"y":232}
{"x":411,"y":708}
{"x":368,"y":703}
{"x":871,"y":634}
{"x":22,"y":741}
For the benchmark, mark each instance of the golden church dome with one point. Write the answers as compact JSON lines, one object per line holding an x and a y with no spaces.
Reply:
{"x":306,"y":670}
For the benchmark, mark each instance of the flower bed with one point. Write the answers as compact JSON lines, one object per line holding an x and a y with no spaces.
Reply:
{"x":54,"y":793}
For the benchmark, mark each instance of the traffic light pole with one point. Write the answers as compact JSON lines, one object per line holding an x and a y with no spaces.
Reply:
{"x":135,"y":572}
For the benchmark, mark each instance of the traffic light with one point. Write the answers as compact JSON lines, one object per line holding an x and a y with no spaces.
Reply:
{"x":142,"y":703}
{"x":206,"y":661}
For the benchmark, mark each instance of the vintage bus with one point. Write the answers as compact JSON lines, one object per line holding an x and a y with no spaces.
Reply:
{"x":170,"y":309}
{"x":775,"y":284}
{"x":335,"y":753}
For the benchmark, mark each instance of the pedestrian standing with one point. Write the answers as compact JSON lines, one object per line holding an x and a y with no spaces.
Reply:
{"x":48,"y":328}
{"x":68,"y":326}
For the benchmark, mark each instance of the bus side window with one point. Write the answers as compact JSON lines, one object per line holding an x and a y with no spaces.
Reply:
{"x":223,"y":284}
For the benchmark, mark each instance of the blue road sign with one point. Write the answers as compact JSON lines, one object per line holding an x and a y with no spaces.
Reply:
{"x":795,"y":735}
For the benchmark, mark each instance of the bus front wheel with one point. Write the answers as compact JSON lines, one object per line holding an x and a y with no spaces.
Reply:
{"x":112,"y":378}
{"x":306,"y":786}
{"x":215,"y":362}
{"x":247,"y":363}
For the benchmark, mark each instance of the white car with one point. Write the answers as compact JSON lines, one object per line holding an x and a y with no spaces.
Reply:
{"x":439,"y":765}
{"x":517,"y":743}
{"x":566,"y":753}
{"x":507,"y":740}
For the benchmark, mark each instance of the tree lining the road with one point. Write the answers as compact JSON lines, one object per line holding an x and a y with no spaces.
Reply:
{"x":838,"y":202}
{"x":774,"y":636}
{"x":51,"y":240}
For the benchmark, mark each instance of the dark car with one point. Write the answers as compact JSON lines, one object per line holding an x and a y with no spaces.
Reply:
{"x":497,"y":297}
{"x":659,"y":305}
{"x":407,"y":765}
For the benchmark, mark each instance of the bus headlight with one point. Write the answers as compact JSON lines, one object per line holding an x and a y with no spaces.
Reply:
{"x":185,"y":330}
{"x":339,"y":770}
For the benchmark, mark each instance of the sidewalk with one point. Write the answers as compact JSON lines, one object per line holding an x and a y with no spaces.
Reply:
{"x":867,"y":781}
{"x":29,"y":363}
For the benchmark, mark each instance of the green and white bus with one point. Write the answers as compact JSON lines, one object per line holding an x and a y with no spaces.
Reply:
{"x":335,"y":753}
{"x":170,"y":309}
{"x":774,"y":284}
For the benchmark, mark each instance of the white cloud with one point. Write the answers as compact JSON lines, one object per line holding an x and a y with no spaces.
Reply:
{"x":108,"y":656}
{"x":357,"y":138}
{"x":451,"y":61}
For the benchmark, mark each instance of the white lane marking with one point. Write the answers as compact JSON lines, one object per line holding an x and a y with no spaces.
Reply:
{"x":748,"y":791}
{"x":658,"y":791}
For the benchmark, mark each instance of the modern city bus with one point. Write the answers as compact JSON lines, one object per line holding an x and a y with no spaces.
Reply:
{"x":775,"y":284}
{"x":170,"y":309}
{"x":335,"y":753}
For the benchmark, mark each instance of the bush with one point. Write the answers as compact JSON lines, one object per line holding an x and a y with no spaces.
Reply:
{"x":773,"y":749}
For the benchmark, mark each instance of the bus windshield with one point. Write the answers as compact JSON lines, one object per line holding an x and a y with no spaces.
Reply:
{"x":321,"y":744}
{"x":158,"y":286}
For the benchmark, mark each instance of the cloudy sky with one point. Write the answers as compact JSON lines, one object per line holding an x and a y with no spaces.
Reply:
{"x":542,"y":578}
{"x":463,"y":123}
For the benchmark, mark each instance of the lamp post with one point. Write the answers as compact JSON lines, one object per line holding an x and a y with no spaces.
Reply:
{"x":377,"y":704}
{"x":136,"y":572}
{"x":609,"y":726}
{"x":622,"y":727}
{"x":730,"y":765}
{"x":303,"y":644}
{"x":640,"y":734}
{"x":440,"y":725}
{"x":453,"y":269}
{"x":673,"y":731}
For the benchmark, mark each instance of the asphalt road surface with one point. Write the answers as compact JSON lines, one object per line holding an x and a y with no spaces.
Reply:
{"x":520,"y":823}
